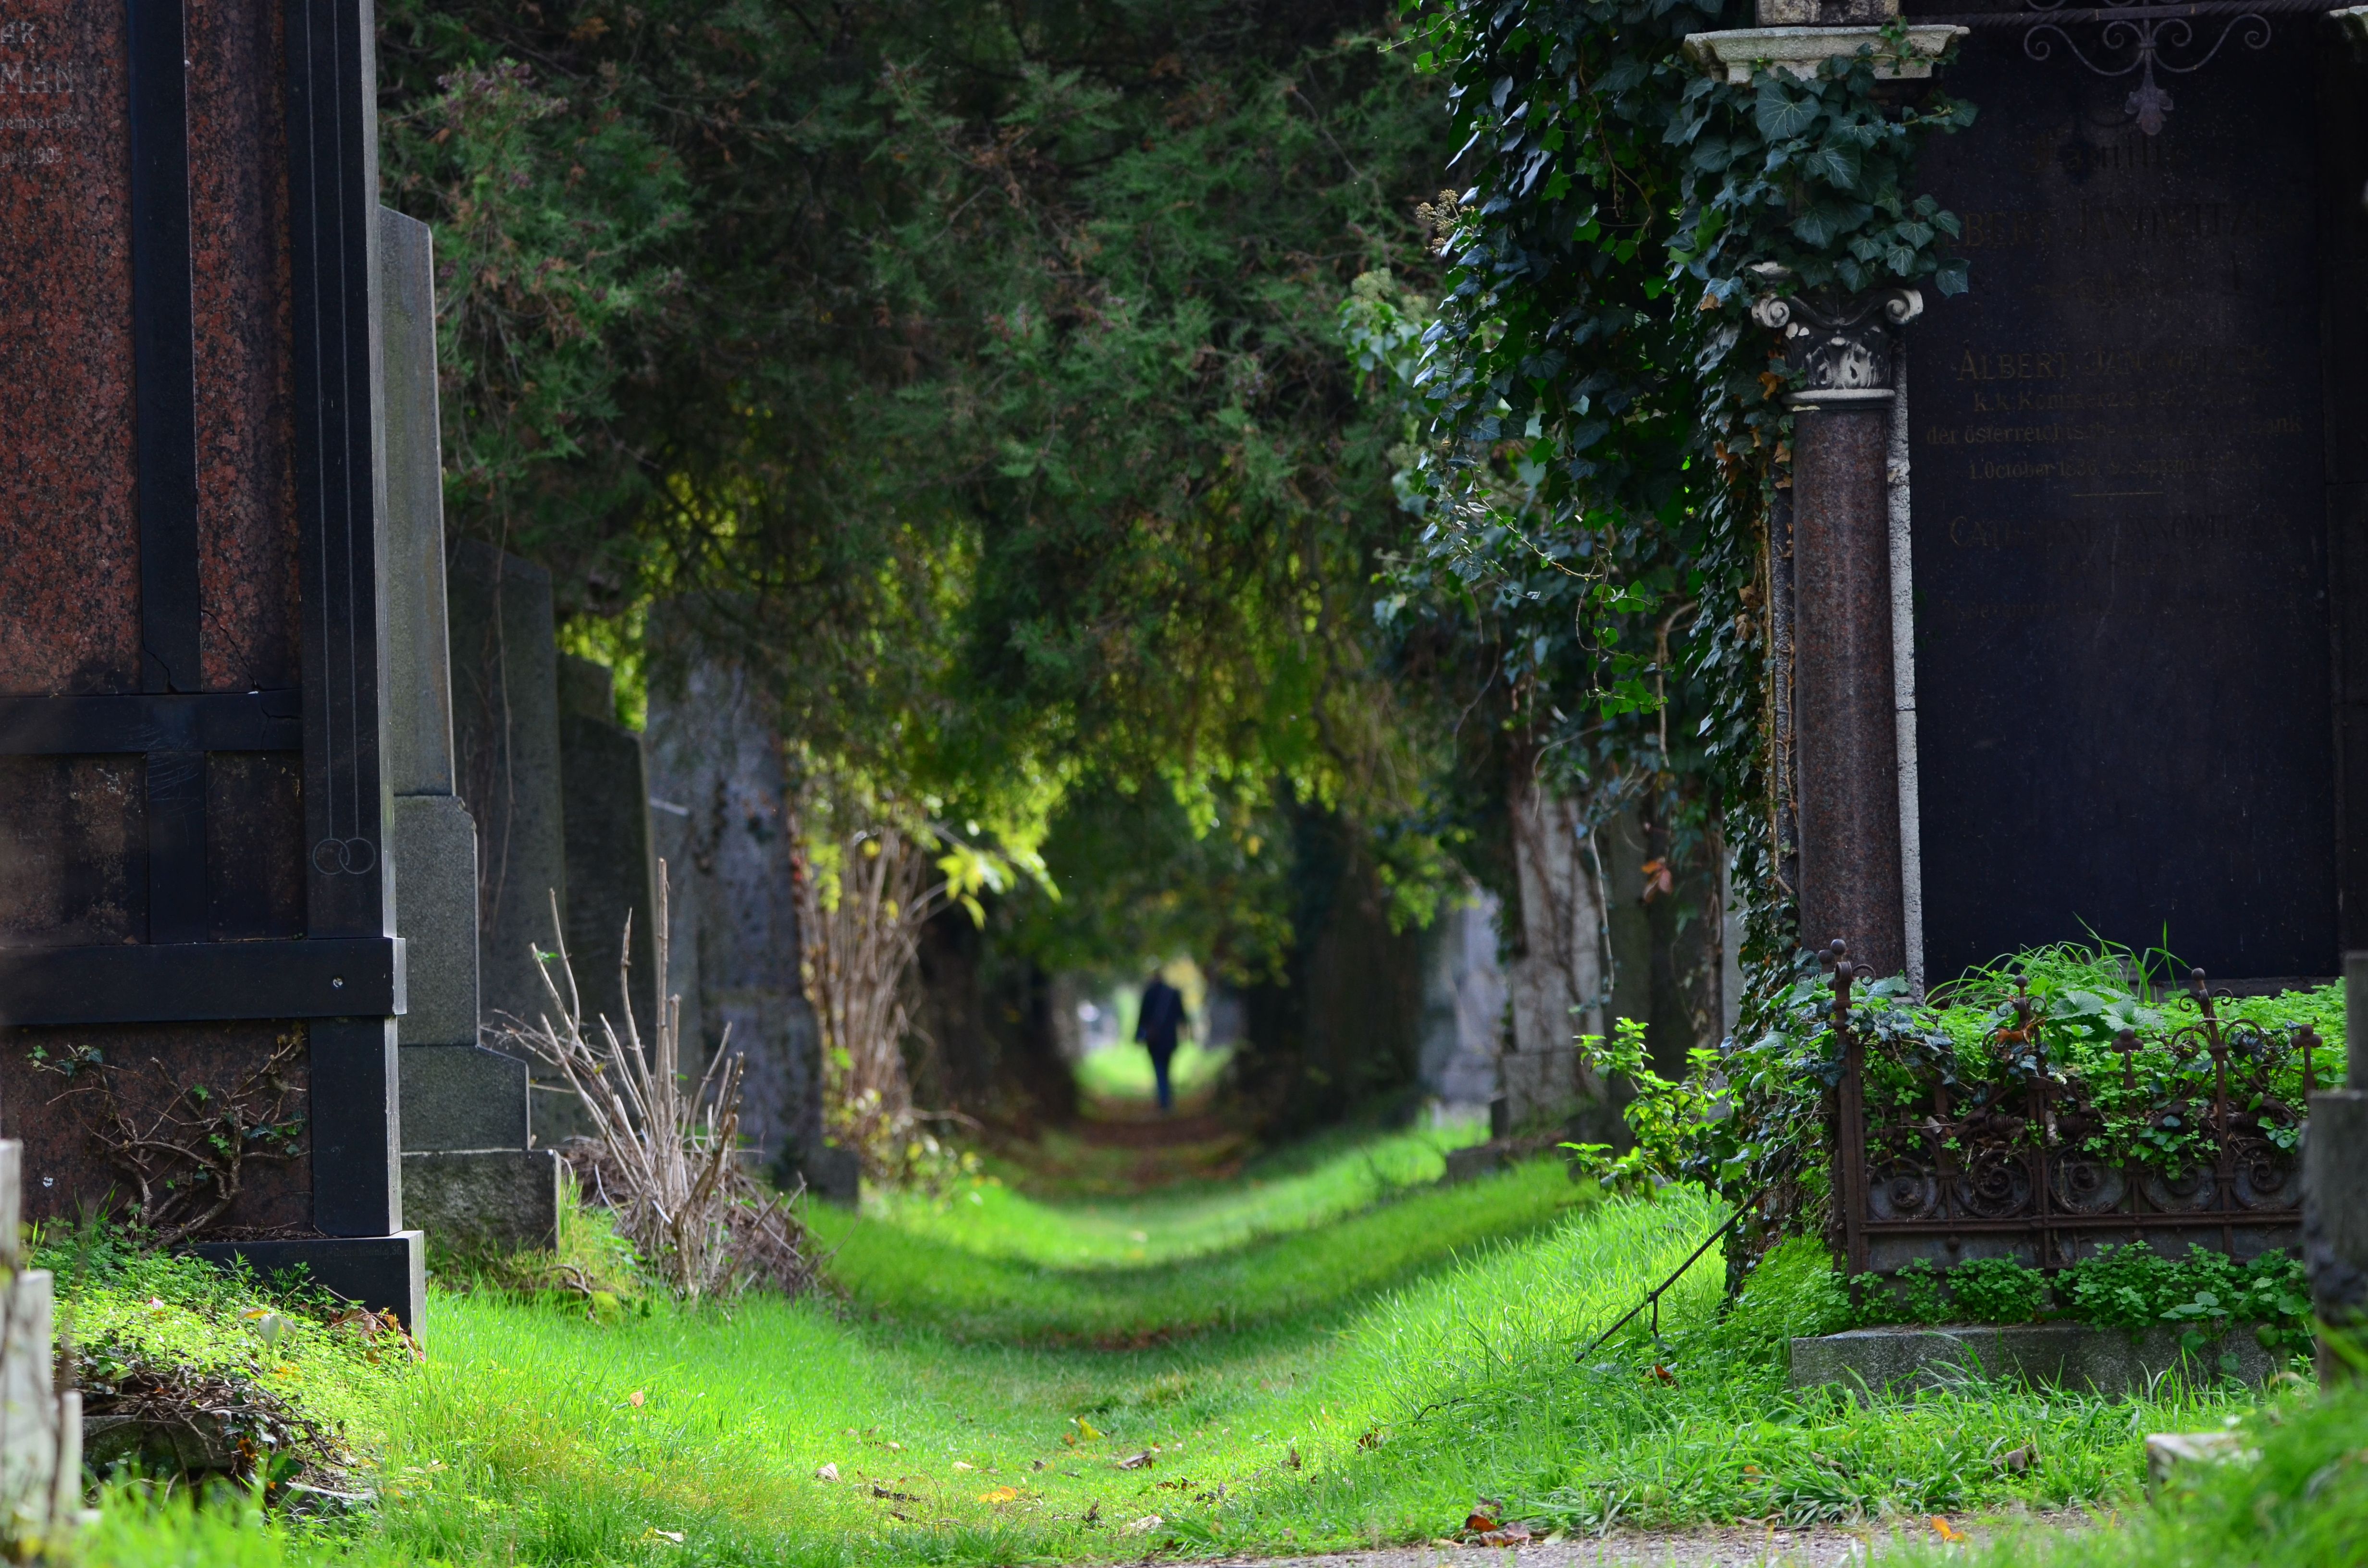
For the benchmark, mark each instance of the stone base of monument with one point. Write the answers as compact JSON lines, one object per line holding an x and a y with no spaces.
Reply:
{"x":381,"y":1273}
{"x":2110,"y":1361}
{"x":470,"y":1175}
{"x":503,"y":1198}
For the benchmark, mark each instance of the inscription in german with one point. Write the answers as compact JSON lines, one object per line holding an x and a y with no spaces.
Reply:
{"x":2120,"y":583}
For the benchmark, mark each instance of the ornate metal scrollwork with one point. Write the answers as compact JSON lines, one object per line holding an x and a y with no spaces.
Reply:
{"x":1838,"y":343}
{"x":2151,"y":36}
{"x":2189,"y":1135}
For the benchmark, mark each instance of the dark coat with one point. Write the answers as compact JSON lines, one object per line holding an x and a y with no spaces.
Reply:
{"x":1162,"y":1015}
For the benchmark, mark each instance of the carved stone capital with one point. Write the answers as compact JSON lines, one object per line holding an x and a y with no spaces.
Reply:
{"x":1840,"y":345}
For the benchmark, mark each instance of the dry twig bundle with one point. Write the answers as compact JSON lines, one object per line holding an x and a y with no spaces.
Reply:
{"x":666,"y":1161}
{"x":859,"y":949}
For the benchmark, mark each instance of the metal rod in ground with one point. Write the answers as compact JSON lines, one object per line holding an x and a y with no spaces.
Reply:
{"x":1652,"y":1297}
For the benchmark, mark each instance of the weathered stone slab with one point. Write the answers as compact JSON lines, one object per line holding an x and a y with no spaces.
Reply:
{"x":716,"y":783}
{"x":462,"y":1096}
{"x":506,"y":733}
{"x":436,"y":914}
{"x":610,"y":872}
{"x":2110,"y":1361}
{"x":418,"y":654}
{"x":507,"y":1197}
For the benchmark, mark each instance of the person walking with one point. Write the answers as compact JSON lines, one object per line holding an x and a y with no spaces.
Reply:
{"x":1155,"y":1027}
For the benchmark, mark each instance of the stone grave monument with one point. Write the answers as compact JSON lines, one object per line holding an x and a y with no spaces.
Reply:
{"x":469,"y":1175}
{"x":194,"y":876}
{"x":718,"y":803}
{"x":2069,"y":642}
{"x":604,"y":801}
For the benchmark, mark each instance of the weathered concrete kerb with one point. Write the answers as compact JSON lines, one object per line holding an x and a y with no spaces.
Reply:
{"x":2112,"y":1361}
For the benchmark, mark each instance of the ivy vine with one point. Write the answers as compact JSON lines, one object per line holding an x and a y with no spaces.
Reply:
{"x":1596,"y":431}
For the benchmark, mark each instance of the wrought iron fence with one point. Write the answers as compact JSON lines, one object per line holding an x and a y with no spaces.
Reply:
{"x":2189,"y":1139}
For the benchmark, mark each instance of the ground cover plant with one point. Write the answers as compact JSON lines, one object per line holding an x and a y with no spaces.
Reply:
{"x":1366,"y":1379}
{"x":190,"y":1373}
{"x":2112,"y":1031}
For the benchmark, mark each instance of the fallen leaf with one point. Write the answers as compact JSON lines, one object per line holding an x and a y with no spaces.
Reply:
{"x":1133,"y":1461}
{"x":1514,"y":1534}
{"x":634,"y":1399}
{"x":657,"y":1534}
{"x":1093,"y":1512}
{"x":1039,"y":1464}
{"x":2016,"y":1460}
{"x":1000,"y":1494}
{"x":1475,"y":1522}
{"x":1945,"y":1530}
{"x":960,"y":1464}
{"x":1086,"y":1428}
{"x":1291,"y":1458}
{"x":1148,"y":1522}
{"x":827,"y":1473}
{"x":1370,"y":1441}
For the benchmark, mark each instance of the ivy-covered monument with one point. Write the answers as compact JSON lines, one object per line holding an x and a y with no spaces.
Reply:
{"x":1976,"y":382}
{"x":199,"y":971}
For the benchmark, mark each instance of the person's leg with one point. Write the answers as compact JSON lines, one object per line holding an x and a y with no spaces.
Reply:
{"x":1159,"y":1060}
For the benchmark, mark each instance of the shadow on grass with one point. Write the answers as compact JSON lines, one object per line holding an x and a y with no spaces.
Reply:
{"x":898,"y":1272}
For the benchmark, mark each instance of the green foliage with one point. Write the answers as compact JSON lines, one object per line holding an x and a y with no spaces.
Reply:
{"x":1997,"y":1289}
{"x":2294,"y":1496}
{"x":123,"y":1309}
{"x":1776,"y":1138}
{"x":1591,"y":428}
{"x":1665,"y":1117}
{"x":2203,"y":1295}
{"x":970,"y":374}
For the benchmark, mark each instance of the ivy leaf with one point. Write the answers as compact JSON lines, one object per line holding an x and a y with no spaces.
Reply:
{"x":1835,"y":164}
{"x":1781,"y":116}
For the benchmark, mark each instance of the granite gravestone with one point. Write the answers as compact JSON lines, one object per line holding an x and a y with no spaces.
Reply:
{"x":719,"y":802}
{"x":193,"y":875}
{"x":506,"y":720}
{"x":605,"y":796}
{"x":470,"y":1176}
{"x":2122,"y":443}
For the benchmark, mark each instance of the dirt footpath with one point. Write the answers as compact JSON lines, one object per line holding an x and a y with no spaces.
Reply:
{"x":1746,"y":1545}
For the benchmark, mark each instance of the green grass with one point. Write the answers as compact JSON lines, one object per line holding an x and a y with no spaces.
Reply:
{"x":1122,"y":1072}
{"x":2297,"y":1498}
{"x":1363,"y":1380}
{"x":1295,"y":1189}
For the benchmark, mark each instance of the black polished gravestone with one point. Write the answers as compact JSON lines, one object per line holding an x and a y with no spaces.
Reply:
{"x":199,"y":972}
{"x":2122,"y":440}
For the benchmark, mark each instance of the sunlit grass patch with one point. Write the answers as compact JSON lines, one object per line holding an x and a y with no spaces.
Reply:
{"x":1293,"y":1191}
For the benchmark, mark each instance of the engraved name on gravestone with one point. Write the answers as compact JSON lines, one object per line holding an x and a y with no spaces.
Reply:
{"x":2121,"y":581}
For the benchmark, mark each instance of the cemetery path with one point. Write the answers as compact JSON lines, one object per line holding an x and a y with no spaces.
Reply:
{"x":1744,"y":1546}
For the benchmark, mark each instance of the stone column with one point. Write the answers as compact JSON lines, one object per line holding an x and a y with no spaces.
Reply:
{"x":469,"y":1175}
{"x":2335,"y":1183}
{"x":1844,"y":697}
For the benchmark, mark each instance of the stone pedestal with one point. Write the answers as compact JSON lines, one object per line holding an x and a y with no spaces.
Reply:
{"x":2335,"y":1185}
{"x":469,"y":1175}
{"x":1844,"y":696}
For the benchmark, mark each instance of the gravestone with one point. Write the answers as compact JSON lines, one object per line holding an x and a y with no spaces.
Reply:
{"x":2131,"y":447}
{"x":605,"y":791}
{"x":506,"y":733}
{"x":718,"y":801}
{"x":194,"y":873}
{"x":1463,"y":1029}
{"x":469,"y":1173}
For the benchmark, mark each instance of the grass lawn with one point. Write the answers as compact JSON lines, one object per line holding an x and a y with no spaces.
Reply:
{"x":1005,"y":1381}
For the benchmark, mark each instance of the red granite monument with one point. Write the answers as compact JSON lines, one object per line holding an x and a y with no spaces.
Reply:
{"x":198,"y":971}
